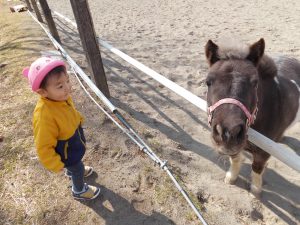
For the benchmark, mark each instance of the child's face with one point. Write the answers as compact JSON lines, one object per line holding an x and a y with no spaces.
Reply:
{"x":58,"y":87}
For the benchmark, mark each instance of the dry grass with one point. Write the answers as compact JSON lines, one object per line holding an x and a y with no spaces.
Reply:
{"x":23,"y":191}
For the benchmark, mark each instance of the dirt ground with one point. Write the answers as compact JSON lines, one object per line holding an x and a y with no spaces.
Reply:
{"x":168,"y":36}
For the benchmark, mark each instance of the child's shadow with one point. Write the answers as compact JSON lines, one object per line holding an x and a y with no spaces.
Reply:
{"x":116,"y":210}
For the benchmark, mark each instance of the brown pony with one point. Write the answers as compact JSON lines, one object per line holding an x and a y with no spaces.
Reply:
{"x":247,"y":88}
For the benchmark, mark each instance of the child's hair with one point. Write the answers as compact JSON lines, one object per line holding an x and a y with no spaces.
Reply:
{"x":56,"y":71}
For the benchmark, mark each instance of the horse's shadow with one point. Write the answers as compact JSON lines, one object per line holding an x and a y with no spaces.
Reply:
{"x":116,"y":210}
{"x":279,"y":195}
{"x":292,"y":142}
{"x":275,"y":197}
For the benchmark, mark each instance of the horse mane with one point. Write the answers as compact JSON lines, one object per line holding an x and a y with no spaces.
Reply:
{"x":266,"y":68}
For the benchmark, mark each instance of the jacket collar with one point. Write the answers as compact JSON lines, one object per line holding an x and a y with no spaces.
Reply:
{"x":49,"y":101}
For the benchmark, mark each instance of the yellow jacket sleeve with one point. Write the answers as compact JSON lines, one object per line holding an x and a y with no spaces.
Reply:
{"x":45,"y":136}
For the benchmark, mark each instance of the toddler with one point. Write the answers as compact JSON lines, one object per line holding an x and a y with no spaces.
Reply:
{"x":58,"y":135}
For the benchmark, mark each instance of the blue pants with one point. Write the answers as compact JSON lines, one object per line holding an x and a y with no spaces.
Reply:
{"x":77,"y":173}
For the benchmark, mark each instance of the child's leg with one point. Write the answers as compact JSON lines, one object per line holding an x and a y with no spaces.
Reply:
{"x":80,"y":190}
{"x":77,"y":172}
{"x":88,"y":171}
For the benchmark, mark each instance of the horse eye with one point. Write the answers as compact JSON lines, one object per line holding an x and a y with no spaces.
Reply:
{"x":208,"y":82}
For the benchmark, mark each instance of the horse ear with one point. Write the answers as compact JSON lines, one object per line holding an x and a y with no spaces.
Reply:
{"x":211,"y":52}
{"x":256,"y":51}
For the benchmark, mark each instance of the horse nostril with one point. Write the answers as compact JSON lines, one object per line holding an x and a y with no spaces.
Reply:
{"x":217,"y":130}
{"x":242,"y":132}
{"x":220,"y":134}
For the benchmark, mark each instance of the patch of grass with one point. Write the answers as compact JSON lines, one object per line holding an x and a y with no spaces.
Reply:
{"x":165,"y":191}
{"x":191,"y":216}
{"x":8,"y":167}
{"x":17,"y":103}
{"x":116,"y":152}
{"x":148,"y":169}
{"x":147,"y":134}
{"x":178,"y":176}
{"x":155,"y":144}
{"x":195,"y":200}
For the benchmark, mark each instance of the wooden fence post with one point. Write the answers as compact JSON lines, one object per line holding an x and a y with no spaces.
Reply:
{"x":28,"y":5}
{"x":89,"y":42}
{"x":37,"y":11}
{"x":49,"y":19}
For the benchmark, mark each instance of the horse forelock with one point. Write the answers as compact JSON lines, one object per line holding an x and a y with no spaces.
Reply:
{"x":232,"y":49}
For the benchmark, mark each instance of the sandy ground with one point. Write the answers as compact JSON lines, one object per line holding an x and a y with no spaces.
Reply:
{"x":169,"y":36}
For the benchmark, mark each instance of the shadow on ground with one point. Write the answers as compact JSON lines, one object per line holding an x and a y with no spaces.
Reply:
{"x":116,"y":210}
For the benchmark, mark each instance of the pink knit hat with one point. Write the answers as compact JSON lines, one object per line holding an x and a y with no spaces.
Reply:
{"x":39,"y":69}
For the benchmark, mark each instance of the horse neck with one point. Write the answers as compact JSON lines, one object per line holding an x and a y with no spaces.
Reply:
{"x":268,"y":81}
{"x":278,"y":97}
{"x":267,"y":93}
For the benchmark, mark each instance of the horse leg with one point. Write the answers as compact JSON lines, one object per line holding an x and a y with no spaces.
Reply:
{"x":258,"y":166}
{"x":235,"y":166}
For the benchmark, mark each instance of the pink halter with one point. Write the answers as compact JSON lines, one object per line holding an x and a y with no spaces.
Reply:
{"x":250,"y":117}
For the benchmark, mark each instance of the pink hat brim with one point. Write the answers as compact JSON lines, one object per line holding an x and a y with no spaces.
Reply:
{"x":44,"y":71}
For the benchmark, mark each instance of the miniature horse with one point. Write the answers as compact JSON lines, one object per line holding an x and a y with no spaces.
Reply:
{"x":247,"y":88}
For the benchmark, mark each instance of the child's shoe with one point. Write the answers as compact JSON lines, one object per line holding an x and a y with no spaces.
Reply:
{"x":89,"y":192}
{"x":88,"y":170}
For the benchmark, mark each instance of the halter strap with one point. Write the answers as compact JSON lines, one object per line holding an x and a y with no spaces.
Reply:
{"x":250,"y":117}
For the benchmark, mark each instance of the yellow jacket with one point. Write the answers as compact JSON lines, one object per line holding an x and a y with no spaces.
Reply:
{"x":58,"y":136}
